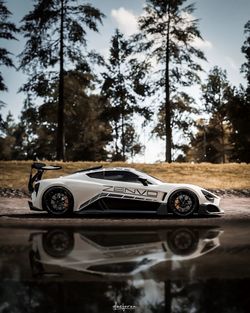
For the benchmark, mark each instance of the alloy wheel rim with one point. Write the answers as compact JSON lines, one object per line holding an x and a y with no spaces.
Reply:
{"x":183,"y":203}
{"x":59,"y":202}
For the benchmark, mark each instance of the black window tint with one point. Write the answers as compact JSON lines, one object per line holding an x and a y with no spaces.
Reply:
{"x":121,"y":176}
{"x":98,"y":175}
{"x":116,"y":176}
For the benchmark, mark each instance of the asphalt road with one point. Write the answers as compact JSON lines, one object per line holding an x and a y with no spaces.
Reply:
{"x":15,"y":212}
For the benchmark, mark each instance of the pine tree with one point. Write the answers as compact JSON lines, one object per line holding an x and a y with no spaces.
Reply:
{"x":246,"y":66}
{"x":56,"y":36}
{"x":206,"y":144}
{"x":7,"y":31}
{"x":7,"y":125}
{"x":27,"y":133}
{"x":124,"y":85}
{"x":238,"y":110}
{"x":168,"y":35}
{"x":87,"y":131}
{"x":216,"y":93}
{"x":7,"y":138}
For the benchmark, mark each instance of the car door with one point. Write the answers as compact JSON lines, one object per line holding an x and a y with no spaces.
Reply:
{"x":125,"y":192}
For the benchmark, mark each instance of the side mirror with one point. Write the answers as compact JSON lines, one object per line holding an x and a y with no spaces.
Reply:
{"x":143,"y":181}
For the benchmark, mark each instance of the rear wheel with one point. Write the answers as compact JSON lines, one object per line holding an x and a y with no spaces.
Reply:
{"x":58,"y":201}
{"x":58,"y":243}
{"x":183,"y":202}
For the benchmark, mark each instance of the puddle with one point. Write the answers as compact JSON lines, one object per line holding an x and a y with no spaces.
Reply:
{"x":174,"y":269}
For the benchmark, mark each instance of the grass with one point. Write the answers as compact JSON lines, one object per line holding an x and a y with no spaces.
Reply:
{"x":14,"y":174}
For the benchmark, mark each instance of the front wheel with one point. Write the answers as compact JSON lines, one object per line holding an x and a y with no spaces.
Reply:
{"x":183,"y":202}
{"x":183,"y":241}
{"x":58,"y":201}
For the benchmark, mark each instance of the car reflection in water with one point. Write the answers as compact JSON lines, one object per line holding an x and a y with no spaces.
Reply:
{"x":118,"y":253}
{"x":176,"y":270}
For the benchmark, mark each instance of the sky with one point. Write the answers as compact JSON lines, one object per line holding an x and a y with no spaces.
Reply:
{"x":221,"y":25}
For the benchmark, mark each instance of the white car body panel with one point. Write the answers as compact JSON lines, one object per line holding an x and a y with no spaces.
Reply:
{"x":86,"y":190}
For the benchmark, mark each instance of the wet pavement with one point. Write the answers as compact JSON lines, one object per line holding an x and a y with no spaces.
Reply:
{"x":124,"y":264}
{"x":169,"y":269}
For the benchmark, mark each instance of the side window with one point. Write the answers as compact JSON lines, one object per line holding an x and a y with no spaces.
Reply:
{"x":116,"y":176}
{"x":121,"y":176}
{"x":98,"y":175}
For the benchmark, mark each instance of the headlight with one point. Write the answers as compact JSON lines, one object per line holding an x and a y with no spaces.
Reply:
{"x":208,"y":195}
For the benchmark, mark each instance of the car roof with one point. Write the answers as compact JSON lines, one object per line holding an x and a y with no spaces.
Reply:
{"x":111,"y":169}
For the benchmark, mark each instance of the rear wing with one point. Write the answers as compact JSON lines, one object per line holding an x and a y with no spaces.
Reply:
{"x":40,"y":168}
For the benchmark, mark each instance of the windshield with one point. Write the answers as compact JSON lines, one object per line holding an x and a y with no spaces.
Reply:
{"x":151,"y":179}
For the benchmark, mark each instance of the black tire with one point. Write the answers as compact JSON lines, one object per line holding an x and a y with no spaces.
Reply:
{"x":58,"y":201}
{"x":183,"y":202}
{"x":182,"y":241}
{"x":58,"y":243}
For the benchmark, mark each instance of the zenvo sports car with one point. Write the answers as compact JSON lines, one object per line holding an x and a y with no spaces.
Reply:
{"x":116,"y":190}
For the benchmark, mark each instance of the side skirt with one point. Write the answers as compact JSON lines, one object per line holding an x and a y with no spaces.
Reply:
{"x":89,"y":212}
{"x":113,"y":205}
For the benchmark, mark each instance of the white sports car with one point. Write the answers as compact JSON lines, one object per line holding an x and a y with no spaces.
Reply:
{"x":116,"y":190}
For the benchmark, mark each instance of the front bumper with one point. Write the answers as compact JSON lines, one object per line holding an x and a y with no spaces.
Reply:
{"x":209,"y":209}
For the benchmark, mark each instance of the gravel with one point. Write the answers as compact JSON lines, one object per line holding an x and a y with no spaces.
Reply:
{"x":231,"y":192}
{"x":13,"y":193}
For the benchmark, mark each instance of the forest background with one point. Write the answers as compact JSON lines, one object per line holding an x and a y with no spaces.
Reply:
{"x":150,"y":91}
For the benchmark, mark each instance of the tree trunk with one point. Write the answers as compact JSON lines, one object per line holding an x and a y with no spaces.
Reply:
{"x":116,"y":139}
{"x":204,"y":144}
{"x":223,"y":142}
{"x":168,"y":130}
{"x":122,"y":103}
{"x":60,"y":148}
{"x":123,"y":135}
